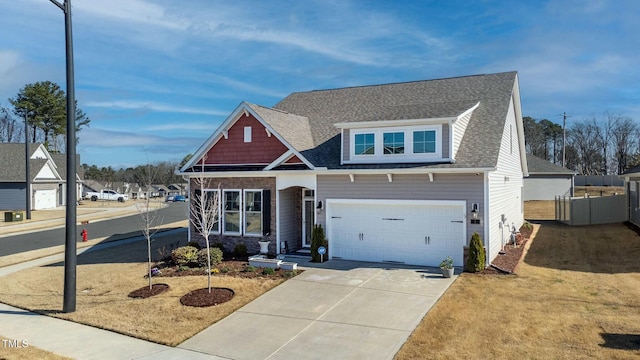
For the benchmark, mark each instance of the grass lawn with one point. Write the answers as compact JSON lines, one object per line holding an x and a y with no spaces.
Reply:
{"x":104,"y":280}
{"x":27,"y":353}
{"x":540,"y":210}
{"x":576,"y":296}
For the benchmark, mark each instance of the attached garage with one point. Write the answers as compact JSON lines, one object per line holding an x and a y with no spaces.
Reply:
{"x":417,"y":232}
{"x":44,"y":199}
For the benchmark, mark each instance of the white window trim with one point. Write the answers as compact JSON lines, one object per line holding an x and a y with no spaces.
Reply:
{"x":247,"y":134}
{"x":240,"y":211}
{"x":214,"y":232}
{"x":244,"y":196}
{"x":408,"y":156}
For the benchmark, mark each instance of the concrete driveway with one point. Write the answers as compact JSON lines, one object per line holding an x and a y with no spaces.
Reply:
{"x":362,"y":312}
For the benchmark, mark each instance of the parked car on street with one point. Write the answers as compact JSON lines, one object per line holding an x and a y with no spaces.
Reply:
{"x":106,"y":194}
{"x":169,"y":198}
{"x":179,"y":198}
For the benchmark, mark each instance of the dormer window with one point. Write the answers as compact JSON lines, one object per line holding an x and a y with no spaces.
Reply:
{"x":393,"y":143}
{"x":419,"y":143}
{"x":424,"y":142}
{"x":364,"y":144}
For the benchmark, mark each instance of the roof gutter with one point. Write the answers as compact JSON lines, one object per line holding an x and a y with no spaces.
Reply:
{"x":325,"y":171}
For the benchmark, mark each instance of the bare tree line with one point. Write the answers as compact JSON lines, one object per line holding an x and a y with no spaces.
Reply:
{"x":605,"y":145}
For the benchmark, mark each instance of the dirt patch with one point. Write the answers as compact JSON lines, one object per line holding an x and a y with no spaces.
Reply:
{"x":145,"y":292}
{"x":204,"y":297}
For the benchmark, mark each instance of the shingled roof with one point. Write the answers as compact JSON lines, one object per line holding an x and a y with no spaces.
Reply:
{"x":12,"y":160}
{"x":322,"y":109}
{"x":538,"y":165}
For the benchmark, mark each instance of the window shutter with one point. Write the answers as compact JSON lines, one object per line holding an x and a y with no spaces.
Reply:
{"x":266,"y":212}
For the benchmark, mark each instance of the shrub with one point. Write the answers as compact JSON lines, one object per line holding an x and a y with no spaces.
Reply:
{"x":225,"y":269}
{"x":290,"y":274}
{"x":318,"y":239}
{"x":184,"y":255}
{"x":220,"y":246}
{"x":527,"y":225}
{"x":215,"y":254}
{"x":268,"y":271}
{"x":476,"y":260}
{"x":194,"y":243}
{"x":250,"y":268}
{"x":240,"y":250}
{"x":183,"y":268}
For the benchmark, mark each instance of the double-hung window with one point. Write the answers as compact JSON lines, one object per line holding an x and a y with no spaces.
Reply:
{"x":212,"y":199}
{"x":253,"y":212}
{"x":232,"y":203}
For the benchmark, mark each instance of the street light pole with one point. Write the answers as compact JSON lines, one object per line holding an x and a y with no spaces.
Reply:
{"x":27,"y":171}
{"x":70,"y":260}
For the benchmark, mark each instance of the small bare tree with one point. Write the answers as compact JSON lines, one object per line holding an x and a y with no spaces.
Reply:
{"x":203,"y":211}
{"x":149,"y":218}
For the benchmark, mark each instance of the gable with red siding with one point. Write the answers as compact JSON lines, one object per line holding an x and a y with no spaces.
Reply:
{"x":261,"y":149}
{"x":294,"y":160}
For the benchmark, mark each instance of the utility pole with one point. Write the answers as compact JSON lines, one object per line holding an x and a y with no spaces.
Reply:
{"x":564,"y":137}
{"x":70,"y":259}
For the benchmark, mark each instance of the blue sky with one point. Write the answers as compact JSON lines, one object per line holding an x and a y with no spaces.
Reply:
{"x":157,"y":77}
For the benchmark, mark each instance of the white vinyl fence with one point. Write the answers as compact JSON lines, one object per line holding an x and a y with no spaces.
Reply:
{"x":591,"y":210}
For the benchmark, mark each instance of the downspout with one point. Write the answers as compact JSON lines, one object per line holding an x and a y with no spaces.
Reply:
{"x":486,"y":216}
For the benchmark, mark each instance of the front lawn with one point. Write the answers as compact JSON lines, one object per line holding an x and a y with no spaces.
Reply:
{"x":106,"y":277}
{"x":575,"y":296}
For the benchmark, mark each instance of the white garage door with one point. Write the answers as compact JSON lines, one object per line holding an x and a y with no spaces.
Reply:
{"x":45,"y":199}
{"x":412,"y":232}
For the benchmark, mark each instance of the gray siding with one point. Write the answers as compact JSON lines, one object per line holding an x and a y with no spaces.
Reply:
{"x":289,"y":223}
{"x":346,"y":145}
{"x":468,"y":187}
{"x":445,"y":140}
{"x":12,"y":196}
{"x":546,"y":187}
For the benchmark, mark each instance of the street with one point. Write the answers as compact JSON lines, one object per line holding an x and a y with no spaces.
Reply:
{"x":129,"y":225}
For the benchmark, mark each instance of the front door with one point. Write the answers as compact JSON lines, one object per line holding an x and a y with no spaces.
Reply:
{"x":308,"y":220}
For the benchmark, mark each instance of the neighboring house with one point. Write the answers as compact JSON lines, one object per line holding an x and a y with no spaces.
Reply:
{"x":159,"y":190}
{"x":631,"y":180}
{"x":45,"y":183}
{"x":402,"y":172}
{"x":175,"y":189}
{"x":60,"y":160}
{"x":92,"y":186}
{"x":547,"y":180}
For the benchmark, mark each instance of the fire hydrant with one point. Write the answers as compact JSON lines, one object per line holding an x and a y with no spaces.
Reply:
{"x":84,"y":235}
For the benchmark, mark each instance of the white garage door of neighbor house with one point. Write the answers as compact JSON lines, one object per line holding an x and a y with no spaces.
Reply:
{"x":412,"y":232}
{"x":45,"y":199}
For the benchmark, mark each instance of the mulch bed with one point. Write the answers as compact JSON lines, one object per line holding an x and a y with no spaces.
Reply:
{"x":144,"y":292}
{"x":235,"y":268}
{"x":506,"y":263}
{"x":204,"y":298}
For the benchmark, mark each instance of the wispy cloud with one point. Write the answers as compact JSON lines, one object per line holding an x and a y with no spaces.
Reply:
{"x":151,"y":106}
